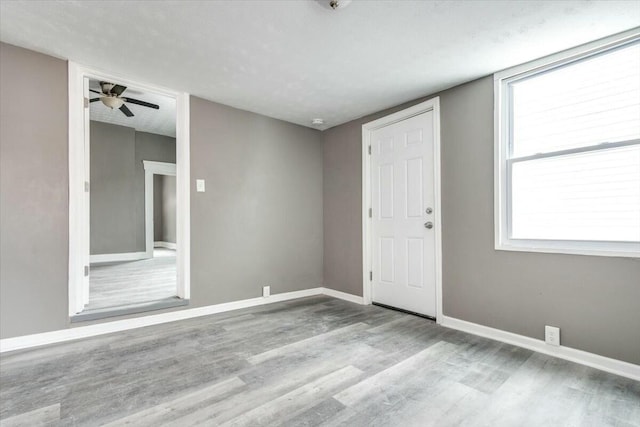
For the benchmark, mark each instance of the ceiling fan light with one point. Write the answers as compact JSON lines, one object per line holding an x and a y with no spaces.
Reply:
{"x":112,"y":101}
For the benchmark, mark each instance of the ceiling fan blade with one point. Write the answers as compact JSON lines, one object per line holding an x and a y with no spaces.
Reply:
{"x":143,"y":103}
{"x":126,"y":111}
{"x":95,"y":91}
{"x":94,"y":100}
{"x":118,"y":89}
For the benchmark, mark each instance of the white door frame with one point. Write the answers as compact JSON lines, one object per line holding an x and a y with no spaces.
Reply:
{"x":150,"y":169}
{"x":367,"y":262}
{"x":78,"y":171}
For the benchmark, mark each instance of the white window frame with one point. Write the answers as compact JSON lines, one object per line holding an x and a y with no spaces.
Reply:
{"x":502,"y":180}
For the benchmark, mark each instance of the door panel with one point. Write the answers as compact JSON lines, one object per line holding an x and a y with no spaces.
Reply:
{"x":386,"y":191}
{"x":403,"y":250}
{"x":415,"y":262}
{"x":415,"y":189}
{"x":387,"y":260}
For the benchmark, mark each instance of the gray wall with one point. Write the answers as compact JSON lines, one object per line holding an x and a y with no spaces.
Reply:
{"x":34,"y":195}
{"x":594,"y":300}
{"x":117,"y":184}
{"x":260,"y":220}
{"x":164,"y":208}
{"x":113,"y":219}
{"x":157,"y":207}
{"x":342,"y":201}
{"x":169,"y":205}
{"x":157,"y":148}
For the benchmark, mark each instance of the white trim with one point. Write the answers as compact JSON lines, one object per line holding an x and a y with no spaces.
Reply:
{"x":366,"y":224}
{"x":568,"y":55}
{"x":167,"y":245}
{"x":343,"y":296}
{"x":617,"y":367}
{"x":150,"y":169}
{"x":87,"y":195}
{"x":35,"y":340}
{"x":183,"y":196}
{"x":430,"y":105}
{"x":579,"y":248}
{"x":79,"y":221}
{"x":606,"y":364}
{"x":501,"y":79}
{"x":159,"y":168}
{"x":125,"y":256}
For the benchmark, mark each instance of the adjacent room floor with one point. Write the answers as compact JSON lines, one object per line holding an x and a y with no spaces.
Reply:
{"x":133,"y":282}
{"x":311,"y":362}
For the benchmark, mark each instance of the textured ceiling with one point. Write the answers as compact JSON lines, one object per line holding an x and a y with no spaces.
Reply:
{"x":161,"y":121}
{"x":297,"y":60}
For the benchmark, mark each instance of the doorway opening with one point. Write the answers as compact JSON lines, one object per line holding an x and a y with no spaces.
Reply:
{"x":129,"y":196}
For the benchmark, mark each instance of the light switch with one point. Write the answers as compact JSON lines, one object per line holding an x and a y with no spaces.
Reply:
{"x":200,"y":185}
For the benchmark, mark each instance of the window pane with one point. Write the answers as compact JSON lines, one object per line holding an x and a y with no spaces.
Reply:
{"x":585,"y":103}
{"x":588,"y":196}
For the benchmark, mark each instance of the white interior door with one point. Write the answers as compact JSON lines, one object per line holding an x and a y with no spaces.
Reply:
{"x":402,"y":227}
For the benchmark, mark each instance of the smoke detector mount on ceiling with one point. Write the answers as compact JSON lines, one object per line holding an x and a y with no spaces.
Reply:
{"x":334,"y":4}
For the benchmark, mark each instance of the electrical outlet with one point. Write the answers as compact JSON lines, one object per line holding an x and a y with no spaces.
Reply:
{"x":552,"y":335}
{"x":266,"y":291}
{"x":200,"y":185}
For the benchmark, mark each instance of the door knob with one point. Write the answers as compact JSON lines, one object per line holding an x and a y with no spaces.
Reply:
{"x":429,"y":210}
{"x":428,"y":225}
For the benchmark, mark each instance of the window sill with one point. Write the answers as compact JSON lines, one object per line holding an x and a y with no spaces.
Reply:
{"x":632,"y":250}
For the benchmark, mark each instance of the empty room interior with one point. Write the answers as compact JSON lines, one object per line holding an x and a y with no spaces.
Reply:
{"x":320,"y":213}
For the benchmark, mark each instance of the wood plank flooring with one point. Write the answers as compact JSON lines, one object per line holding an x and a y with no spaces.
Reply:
{"x":133,"y":282}
{"x":316,"y":361}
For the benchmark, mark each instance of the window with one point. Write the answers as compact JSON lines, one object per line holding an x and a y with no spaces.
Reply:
{"x":568,"y":152}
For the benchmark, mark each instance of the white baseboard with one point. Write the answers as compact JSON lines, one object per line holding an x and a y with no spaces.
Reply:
{"x":126,"y":256}
{"x":167,"y":245}
{"x":343,"y":295}
{"x":603,"y":363}
{"x":606,"y":364}
{"x":35,"y":340}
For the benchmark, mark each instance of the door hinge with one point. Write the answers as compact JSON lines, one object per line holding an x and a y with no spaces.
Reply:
{"x":86,"y":270}
{"x":86,"y":102}
{"x":86,"y":186}
{"x":369,"y":150}
{"x":370,"y":213}
{"x":371,"y":276}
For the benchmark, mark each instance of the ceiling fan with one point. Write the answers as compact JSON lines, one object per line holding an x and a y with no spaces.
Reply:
{"x":112,"y":98}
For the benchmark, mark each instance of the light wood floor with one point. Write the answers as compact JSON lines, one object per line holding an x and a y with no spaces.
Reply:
{"x":311,"y":362}
{"x":133,"y":282}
